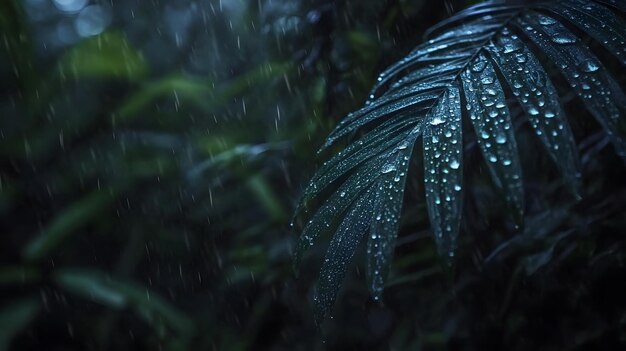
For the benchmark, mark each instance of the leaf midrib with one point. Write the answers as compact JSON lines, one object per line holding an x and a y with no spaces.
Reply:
{"x":482,"y":47}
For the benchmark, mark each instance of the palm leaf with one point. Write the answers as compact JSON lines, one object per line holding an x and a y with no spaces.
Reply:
{"x":462,"y":72}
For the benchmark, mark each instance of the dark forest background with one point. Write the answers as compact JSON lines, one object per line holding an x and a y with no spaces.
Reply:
{"x":152,"y":154}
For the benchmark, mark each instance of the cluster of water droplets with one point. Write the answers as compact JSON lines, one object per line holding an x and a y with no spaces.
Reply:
{"x":489,"y":114}
{"x":370,"y":200}
{"x":443,"y":171}
{"x":400,"y":103}
{"x":599,"y":22}
{"x":338,"y":203}
{"x":387,"y":211}
{"x":340,"y":252}
{"x":601,"y":94}
{"x":536,"y":94}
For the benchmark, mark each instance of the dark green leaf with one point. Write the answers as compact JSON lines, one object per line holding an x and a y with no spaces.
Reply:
{"x":14,"y":318}
{"x":479,"y":50}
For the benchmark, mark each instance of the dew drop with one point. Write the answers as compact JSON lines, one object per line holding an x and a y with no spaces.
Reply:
{"x":589,"y":66}
{"x":563,"y":38}
{"x":389,"y":167}
{"x":509,"y":48}
{"x":546,"y":21}
{"x":437,"y":121}
{"x":487,"y":80}
{"x":479,"y":66}
{"x":537,"y":78}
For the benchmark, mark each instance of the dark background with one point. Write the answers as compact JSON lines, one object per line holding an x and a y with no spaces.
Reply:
{"x":152,"y":153}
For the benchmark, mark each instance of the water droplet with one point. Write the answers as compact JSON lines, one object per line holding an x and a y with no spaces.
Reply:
{"x":533,"y":111}
{"x":520,"y":57}
{"x":537,"y":78}
{"x":479,"y":66}
{"x":491,"y":92}
{"x":563,"y":38}
{"x":487,"y":80}
{"x":389,"y":167}
{"x":509,"y":48}
{"x":454,"y":164}
{"x":549,"y":114}
{"x":589,"y":66}
{"x":546,"y":21}
{"x":501,"y":139}
{"x":437,"y":121}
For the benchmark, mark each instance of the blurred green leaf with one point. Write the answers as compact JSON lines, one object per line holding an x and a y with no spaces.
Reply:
{"x":66,"y":223}
{"x":267,"y":197}
{"x":14,"y":318}
{"x":200,"y":93}
{"x":108,"y":55}
{"x":92,"y":287}
{"x":255,"y":76}
{"x":182,"y":88}
{"x":363,"y":45}
{"x":148,"y":305}
{"x":17,"y":43}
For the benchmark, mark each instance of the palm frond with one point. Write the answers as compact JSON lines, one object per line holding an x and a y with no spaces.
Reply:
{"x":464,"y":71}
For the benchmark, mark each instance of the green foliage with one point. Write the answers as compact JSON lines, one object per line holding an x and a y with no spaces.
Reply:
{"x":133,"y":161}
{"x":70,"y":220}
{"x":466,"y":64}
{"x":147,"y":173}
{"x":94,"y":286}
{"x":14,"y":318}
{"x":105,"y":56}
